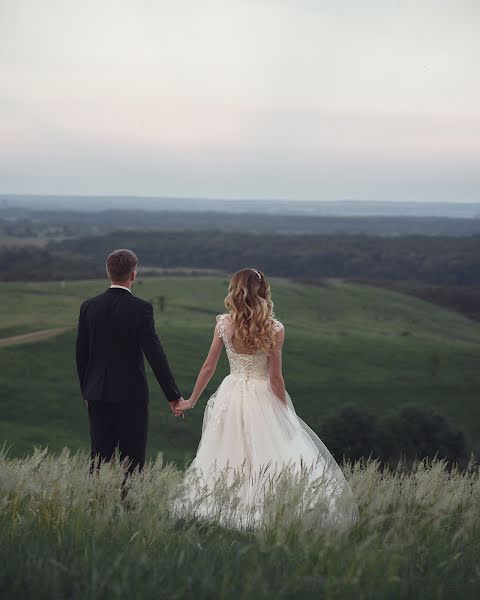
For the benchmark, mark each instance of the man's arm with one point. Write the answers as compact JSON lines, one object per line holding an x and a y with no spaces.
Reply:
{"x":82,"y":347}
{"x":153,"y":350}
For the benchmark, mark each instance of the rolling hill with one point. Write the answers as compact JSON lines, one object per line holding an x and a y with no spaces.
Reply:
{"x":345,"y":344}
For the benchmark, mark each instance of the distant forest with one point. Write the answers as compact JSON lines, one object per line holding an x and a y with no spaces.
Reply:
{"x":439,"y":260}
{"x":442,"y":268}
{"x":24,"y":223}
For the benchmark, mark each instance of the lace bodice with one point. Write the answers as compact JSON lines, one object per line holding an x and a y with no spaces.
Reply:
{"x":250,"y":367}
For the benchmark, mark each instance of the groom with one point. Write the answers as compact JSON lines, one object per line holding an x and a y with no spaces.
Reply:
{"x":115,"y":330}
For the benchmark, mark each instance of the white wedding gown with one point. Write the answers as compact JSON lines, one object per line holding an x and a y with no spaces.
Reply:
{"x":254,"y":449}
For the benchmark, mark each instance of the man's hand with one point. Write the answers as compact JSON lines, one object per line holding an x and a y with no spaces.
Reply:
{"x":174,"y":406}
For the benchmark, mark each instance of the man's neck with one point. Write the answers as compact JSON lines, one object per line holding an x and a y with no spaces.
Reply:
{"x":125,"y":285}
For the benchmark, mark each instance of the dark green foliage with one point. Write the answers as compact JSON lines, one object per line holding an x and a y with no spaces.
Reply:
{"x":410,"y":434}
{"x":32,"y":263}
{"x":352,"y":434}
{"x":464,"y":299}
{"x":445,"y":261}
{"x":441,"y":260}
{"x":416,"y":433}
{"x":30,"y":222}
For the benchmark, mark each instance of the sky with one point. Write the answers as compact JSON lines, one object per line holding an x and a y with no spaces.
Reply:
{"x":300,"y":99}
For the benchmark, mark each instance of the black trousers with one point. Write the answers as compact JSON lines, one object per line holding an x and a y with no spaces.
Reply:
{"x":118,"y":426}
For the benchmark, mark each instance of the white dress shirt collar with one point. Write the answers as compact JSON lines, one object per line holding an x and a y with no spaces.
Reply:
{"x":122,"y":287}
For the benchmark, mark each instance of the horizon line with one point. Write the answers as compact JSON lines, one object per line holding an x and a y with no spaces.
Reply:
{"x":3,"y":196}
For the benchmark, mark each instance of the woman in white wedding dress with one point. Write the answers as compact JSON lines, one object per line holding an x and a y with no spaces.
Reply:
{"x":253,"y":443}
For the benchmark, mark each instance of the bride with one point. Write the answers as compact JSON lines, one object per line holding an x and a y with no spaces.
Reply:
{"x":252,"y":441}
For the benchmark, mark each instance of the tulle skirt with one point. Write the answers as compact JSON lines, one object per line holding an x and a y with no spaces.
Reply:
{"x":258,"y":463}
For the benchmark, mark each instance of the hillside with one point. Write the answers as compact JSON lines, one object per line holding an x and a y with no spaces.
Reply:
{"x":345,"y":344}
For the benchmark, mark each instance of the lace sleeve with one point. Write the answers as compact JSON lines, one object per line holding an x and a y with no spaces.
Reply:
{"x":277,"y":326}
{"x":221,"y":327}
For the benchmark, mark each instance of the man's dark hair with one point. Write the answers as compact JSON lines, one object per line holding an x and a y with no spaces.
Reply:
{"x":121,"y":264}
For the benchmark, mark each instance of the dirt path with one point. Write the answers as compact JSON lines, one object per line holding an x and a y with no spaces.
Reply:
{"x":35,"y":336}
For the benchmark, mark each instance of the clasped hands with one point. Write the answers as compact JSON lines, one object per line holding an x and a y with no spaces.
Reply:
{"x":179,"y":406}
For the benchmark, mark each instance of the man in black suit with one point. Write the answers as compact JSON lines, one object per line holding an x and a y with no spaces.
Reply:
{"x":115,"y":330}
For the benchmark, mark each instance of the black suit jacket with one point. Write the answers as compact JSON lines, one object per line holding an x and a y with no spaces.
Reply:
{"x":115,"y":330}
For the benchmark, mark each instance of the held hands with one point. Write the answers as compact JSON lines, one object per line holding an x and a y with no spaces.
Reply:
{"x":178,"y":406}
{"x":181,"y":406}
{"x":173,"y":407}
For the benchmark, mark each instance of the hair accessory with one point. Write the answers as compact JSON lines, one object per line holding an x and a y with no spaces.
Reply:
{"x":257,"y":274}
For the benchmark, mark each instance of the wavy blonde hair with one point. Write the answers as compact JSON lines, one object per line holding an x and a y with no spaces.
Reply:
{"x":249,"y":303}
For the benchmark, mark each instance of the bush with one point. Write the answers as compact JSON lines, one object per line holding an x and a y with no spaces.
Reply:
{"x":416,"y":433}
{"x":352,"y":434}
{"x":409,"y":435}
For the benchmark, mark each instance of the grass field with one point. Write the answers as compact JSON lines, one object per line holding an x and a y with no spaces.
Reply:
{"x":345,"y":344}
{"x":67,"y":535}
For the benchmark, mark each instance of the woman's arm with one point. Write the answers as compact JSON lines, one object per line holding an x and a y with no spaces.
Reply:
{"x":275,"y":367}
{"x":205,"y":374}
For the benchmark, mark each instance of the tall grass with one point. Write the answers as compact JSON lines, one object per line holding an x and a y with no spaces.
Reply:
{"x":66,"y":534}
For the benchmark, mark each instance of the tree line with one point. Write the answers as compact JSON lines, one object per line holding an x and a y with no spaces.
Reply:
{"x":15,"y":221}
{"x":440,"y":260}
{"x":436,"y":260}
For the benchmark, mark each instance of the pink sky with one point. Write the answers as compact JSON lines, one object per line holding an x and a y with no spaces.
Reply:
{"x":273,"y":99}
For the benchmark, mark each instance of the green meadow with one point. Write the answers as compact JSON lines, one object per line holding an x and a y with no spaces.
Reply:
{"x":345,"y":344}
{"x":66,"y":534}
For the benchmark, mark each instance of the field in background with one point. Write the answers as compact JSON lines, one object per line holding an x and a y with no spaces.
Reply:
{"x":345,"y":344}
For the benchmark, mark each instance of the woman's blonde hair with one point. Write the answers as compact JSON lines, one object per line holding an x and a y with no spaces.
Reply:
{"x":249,"y":302}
